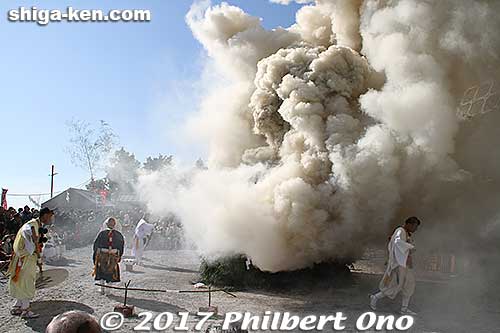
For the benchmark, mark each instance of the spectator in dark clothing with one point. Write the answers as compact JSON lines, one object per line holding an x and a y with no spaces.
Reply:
{"x":3,"y":219}
{"x":26,"y":214}
{"x":10,"y":213}
{"x":14,"y":225}
{"x":6,"y":247}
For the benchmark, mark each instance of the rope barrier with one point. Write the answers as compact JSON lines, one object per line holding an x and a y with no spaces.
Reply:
{"x":44,"y":194}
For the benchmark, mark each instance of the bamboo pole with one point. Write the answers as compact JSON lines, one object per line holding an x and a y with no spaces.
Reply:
{"x":207,"y":291}
{"x":134,"y":289}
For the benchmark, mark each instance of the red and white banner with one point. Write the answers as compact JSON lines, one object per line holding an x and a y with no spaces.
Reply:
{"x":104,"y":196}
{"x":4,"y":198}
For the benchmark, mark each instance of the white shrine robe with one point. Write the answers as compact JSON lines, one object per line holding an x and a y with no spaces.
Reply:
{"x":142,"y":231}
{"x":398,"y":277}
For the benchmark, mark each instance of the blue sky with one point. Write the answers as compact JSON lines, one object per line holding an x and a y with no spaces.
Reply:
{"x":133,"y":75}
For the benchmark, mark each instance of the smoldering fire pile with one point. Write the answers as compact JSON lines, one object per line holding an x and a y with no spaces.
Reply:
{"x":324,"y":135}
{"x":237,"y":272}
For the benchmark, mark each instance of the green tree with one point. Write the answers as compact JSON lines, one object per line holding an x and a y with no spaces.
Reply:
{"x":122,"y":174}
{"x":199,"y":164}
{"x":98,"y":185}
{"x":157,"y":163}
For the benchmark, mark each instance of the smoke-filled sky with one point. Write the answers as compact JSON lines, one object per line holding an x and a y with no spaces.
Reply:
{"x":140,"y":77}
{"x":323,"y":136}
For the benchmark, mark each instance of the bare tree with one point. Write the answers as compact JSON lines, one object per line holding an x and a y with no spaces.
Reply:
{"x":89,"y":145}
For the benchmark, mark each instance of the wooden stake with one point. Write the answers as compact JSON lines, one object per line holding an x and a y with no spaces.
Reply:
{"x":126,"y":292}
{"x":132,"y":289}
{"x":206,"y":291}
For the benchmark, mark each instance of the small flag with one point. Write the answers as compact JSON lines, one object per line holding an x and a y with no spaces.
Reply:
{"x":4,"y":198}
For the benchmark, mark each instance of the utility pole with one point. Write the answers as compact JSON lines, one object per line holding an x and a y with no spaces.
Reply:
{"x":52,"y":174}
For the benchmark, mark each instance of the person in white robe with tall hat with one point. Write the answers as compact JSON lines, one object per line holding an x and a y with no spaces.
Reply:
{"x":143,"y":232}
{"x":399,"y":276}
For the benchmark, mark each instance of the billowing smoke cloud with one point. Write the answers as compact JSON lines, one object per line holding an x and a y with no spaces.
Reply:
{"x":287,"y":2}
{"x":323,"y":136}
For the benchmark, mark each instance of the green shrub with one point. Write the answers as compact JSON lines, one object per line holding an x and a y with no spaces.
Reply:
{"x":232,"y":272}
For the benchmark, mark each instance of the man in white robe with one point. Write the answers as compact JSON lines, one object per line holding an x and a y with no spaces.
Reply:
{"x":142,"y":233}
{"x":399,"y":276}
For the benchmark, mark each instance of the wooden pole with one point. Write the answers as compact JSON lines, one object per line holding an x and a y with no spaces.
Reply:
{"x":52,"y":182}
{"x":206,"y":291}
{"x":52,"y":174}
{"x":209,"y":296}
{"x":131,"y":289}
{"x":126,"y":292}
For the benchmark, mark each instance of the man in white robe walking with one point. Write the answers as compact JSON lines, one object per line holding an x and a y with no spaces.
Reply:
{"x":142,"y":233}
{"x":399,"y":276}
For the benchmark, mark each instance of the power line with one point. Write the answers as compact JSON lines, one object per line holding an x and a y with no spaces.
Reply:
{"x":27,"y":194}
{"x":43,"y":194}
{"x":84,"y":183}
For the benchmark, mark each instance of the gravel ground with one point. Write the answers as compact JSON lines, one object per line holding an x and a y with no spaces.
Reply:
{"x":458,"y":305}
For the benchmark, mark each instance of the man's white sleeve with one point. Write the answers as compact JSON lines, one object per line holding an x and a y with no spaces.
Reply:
{"x":401,"y":247}
{"x":28,"y":239}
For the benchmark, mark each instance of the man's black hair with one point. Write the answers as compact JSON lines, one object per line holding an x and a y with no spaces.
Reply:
{"x":45,"y":210}
{"x":412,"y":220}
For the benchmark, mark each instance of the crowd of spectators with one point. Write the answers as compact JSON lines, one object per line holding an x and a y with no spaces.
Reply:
{"x":80,"y":227}
{"x":11,"y":221}
{"x":168,"y":234}
{"x":73,"y":228}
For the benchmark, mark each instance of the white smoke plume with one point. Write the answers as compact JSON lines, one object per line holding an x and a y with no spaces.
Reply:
{"x":287,"y":2}
{"x":325,"y":135}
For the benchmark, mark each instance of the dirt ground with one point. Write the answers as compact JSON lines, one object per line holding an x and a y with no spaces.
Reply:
{"x":457,"y":305}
